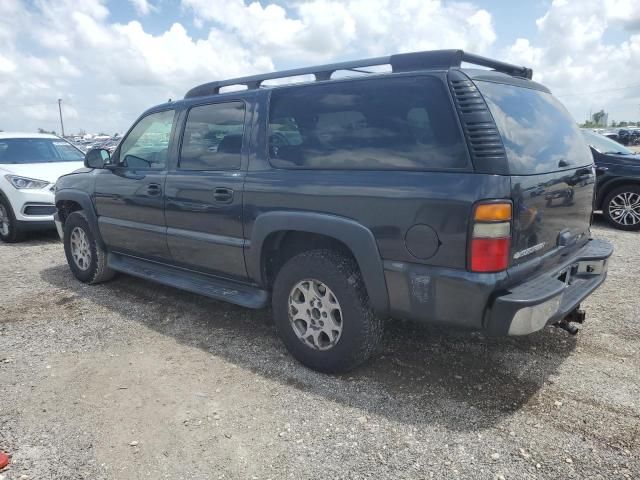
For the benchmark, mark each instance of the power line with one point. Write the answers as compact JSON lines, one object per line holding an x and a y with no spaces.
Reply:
{"x":598,"y":91}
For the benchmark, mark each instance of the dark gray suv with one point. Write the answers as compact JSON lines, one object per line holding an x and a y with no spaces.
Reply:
{"x":428,"y":192}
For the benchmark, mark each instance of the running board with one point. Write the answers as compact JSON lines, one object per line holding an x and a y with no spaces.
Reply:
{"x":212,"y":287}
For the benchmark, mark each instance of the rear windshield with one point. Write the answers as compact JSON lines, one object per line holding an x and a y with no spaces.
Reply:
{"x":38,"y":150}
{"x":538,"y":133}
{"x":403,"y":123}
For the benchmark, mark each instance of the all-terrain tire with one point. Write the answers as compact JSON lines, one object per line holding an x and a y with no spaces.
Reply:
{"x":361,"y":331}
{"x":96,"y":270}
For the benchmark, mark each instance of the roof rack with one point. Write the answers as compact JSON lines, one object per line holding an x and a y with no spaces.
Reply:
{"x":402,"y":62}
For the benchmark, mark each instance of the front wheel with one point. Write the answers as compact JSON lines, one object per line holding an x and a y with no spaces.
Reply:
{"x":9,"y":230}
{"x":87,"y":260}
{"x":621,"y":207}
{"x":322,"y":313}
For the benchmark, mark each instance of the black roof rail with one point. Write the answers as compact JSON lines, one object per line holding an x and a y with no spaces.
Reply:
{"x":402,"y":62}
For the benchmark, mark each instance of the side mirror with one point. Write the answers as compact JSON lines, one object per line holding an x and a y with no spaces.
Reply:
{"x":97,"y":158}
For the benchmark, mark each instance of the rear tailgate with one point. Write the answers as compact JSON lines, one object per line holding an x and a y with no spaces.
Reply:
{"x":551,"y":168}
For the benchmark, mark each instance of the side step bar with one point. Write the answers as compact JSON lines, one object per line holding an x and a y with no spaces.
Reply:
{"x":212,"y":287}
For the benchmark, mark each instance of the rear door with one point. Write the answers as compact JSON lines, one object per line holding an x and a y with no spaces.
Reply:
{"x":204,"y":192}
{"x":551,"y":168}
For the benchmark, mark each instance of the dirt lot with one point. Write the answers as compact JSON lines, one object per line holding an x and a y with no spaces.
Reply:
{"x":130,"y":380}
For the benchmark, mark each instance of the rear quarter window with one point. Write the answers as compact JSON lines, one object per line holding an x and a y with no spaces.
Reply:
{"x":405,"y":123}
{"x":538,"y":133}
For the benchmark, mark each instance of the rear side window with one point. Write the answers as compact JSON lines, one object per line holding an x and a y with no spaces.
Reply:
{"x":213,"y":137}
{"x":377,"y":124}
{"x":538,"y":133}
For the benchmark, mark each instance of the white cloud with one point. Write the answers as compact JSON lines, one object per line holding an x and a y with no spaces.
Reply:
{"x":143,"y":7}
{"x":6,"y":65}
{"x":109,"y":97}
{"x":108,"y":72}
{"x":82,"y":52}
{"x":324,"y":29}
{"x":573,"y":56}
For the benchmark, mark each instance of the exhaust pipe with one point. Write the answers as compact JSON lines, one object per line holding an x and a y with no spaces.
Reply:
{"x":576,"y":315}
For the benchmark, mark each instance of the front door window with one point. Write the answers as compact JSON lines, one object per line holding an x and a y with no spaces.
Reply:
{"x":146,"y":147}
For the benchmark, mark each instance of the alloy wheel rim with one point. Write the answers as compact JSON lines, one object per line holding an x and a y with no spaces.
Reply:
{"x":80,"y":249}
{"x":315,"y":314}
{"x":4,"y":221}
{"x":624,"y":208}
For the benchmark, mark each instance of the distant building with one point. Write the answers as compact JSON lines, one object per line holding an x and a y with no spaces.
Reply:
{"x":600,"y":119}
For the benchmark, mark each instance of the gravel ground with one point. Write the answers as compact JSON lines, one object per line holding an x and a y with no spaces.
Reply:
{"x":131,"y":380}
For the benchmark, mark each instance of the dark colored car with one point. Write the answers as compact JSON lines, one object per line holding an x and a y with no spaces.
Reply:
{"x":432,"y":193}
{"x":618,"y":181}
{"x":628,"y":136}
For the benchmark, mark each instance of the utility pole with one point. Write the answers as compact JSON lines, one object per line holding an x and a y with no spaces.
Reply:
{"x":60,"y":110}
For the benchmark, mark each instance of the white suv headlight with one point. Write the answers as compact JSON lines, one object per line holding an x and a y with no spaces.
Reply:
{"x":22,"y":183}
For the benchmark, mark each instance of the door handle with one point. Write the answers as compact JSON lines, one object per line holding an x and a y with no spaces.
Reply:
{"x":601,"y":168}
{"x":223,"y":195}
{"x":153,"y":189}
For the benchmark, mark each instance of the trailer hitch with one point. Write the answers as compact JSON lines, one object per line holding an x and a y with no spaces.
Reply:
{"x":576,"y":315}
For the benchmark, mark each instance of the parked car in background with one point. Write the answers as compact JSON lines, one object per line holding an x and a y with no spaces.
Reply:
{"x":30,"y":164}
{"x":432,"y":192}
{"x":629,"y":136}
{"x":618,"y":181}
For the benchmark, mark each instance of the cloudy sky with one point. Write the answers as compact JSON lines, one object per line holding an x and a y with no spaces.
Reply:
{"x":111,"y":59}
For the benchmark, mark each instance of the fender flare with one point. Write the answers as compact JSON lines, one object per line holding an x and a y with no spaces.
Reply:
{"x":84,"y":200}
{"x":358,"y":238}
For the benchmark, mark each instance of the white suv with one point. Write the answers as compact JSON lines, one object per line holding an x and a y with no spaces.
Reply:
{"x":30,"y":164}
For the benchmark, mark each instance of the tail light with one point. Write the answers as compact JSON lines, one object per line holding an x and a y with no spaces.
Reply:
{"x":490,"y":237}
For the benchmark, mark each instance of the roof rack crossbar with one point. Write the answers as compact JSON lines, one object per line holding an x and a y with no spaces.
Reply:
{"x":399,"y":63}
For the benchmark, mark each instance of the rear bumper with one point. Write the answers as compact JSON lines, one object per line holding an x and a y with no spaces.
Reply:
{"x":549,"y":297}
{"x":489,"y":301}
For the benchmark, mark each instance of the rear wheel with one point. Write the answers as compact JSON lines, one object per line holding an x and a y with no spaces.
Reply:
{"x":9,"y":230}
{"x":621,"y":207}
{"x":87,"y":260}
{"x":321,"y":312}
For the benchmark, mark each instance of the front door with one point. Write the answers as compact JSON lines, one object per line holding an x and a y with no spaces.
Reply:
{"x":203,"y":204}
{"x":129,"y":196}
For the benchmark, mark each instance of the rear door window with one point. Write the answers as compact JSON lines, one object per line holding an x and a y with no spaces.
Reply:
{"x":538,"y":133}
{"x":404,"y":123}
{"x":212,"y":137}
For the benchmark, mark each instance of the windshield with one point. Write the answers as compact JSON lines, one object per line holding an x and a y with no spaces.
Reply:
{"x":538,"y":133}
{"x":38,"y":150}
{"x":605,"y":145}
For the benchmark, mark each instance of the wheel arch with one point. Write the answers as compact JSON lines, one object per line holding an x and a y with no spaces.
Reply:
{"x":5,"y":197}
{"x":611,"y":185}
{"x":68,"y":201}
{"x":341,"y":232}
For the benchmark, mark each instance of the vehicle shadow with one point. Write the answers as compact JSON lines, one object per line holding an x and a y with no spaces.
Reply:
{"x":35,"y":238}
{"x":461,"y":380}
{"x":600,"y":222}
